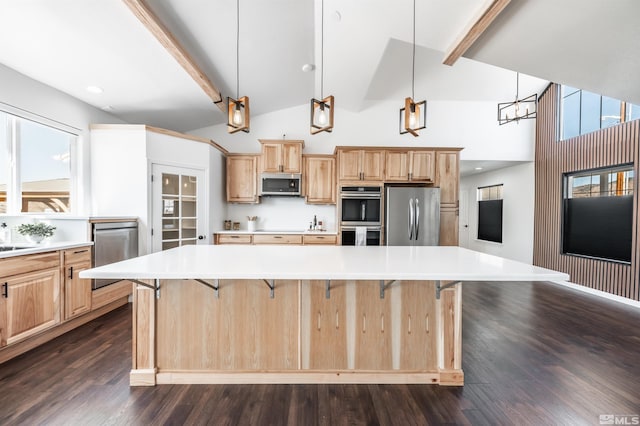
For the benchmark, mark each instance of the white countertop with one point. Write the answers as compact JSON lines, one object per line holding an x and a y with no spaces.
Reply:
{"x":265,"y":231}
{"x":323,"y":263}
{"x":41,"y":248}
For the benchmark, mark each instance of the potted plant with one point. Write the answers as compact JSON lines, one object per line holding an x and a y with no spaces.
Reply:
{"x":36,"y":232}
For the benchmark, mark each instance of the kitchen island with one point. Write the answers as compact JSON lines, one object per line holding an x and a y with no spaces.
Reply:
{"x":304,"y":314}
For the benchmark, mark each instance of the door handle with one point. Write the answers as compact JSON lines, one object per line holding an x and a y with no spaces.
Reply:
{"x":417,"y":218}
{"x":70,"y":272}
{"x":363,"y":210}
{"x":411,"y":219}
{"x":5,"y":290}
{"x":201,"y":237}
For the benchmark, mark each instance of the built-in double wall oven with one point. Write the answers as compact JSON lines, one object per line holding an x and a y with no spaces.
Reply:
{"x":361,"y":207}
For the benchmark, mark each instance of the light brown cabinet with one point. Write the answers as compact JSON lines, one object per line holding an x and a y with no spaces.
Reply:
{"x":277,"y":239}
{"x":320,"y":239}
{"x":233,"y":238}
{"x":242,"y":178}
{"x":30,"y":301}
{"x":447,"y":178}
{"x":262,"y":238}
{"x":448,"y":227}
{"x":77,"y":291}
{"x":281,"y":156}
{"x":319,"y":179}
{"x":409,"y":166}
{"x":361,"y":164}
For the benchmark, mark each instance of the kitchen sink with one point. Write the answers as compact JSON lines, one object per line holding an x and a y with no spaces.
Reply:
{"x":13,"y":247}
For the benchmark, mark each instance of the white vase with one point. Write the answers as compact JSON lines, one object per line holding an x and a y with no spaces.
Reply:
{"x":35,"y":239}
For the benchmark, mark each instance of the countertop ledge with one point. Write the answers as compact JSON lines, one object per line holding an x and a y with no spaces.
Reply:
{"x":41,"y":248}
{"x":323,"y":263}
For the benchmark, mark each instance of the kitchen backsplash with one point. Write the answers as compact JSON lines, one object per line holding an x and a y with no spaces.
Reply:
{"x":281,"y":214}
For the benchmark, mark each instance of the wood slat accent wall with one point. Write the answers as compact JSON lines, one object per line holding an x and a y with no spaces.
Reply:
{"x":607,"y":147}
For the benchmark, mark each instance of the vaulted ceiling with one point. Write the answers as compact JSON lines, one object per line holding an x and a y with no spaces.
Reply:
{"x":72,"y":44}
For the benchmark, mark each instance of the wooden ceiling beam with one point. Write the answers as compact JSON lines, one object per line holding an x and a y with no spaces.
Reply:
{"x":477,"y":26}
{"x":141,"y":10}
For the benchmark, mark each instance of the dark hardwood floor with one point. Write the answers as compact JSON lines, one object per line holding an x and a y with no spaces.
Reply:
{"x":534,"y":354}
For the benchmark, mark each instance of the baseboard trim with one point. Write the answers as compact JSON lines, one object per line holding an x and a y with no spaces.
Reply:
{"x":600,"y":293}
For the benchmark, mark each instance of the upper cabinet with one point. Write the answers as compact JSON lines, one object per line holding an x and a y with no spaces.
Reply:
{"x":280,"y":156}
{"x":448,"y":177}
{"x":242,"y":178}
{"x":361,"y":164}
{"x":320,"y":179}
{"x":409,"y":166}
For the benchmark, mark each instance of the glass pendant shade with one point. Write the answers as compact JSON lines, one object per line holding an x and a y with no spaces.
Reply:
{"x":238,"y":114}
{"x":413,"y":117}
{"x":322,"y":115}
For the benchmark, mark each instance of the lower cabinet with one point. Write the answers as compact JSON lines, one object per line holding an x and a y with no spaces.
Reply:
{"x":262,"y":238}
{"x":277,"y":239}
{"x":30,"y":303}
{"x":352,"y":327}
{"x":320,"y":239}
{"x":449,"y":227}
{"x":77,"y":291}
{"x":42,"y":297}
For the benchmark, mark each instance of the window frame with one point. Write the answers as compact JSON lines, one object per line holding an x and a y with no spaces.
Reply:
{"x":14,"y":191}
{"x":499,"y":197}
{"x":567,"y":191}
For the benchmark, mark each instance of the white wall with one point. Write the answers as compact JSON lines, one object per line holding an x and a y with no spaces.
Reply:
{"x":19,"y":93}
{"x":517,"y":214}
{"x":120,"y":177}
{"x":282,"y":213}
{"x":471,"y":125}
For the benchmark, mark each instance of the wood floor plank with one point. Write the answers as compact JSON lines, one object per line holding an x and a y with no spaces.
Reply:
{"x":533,"y":353}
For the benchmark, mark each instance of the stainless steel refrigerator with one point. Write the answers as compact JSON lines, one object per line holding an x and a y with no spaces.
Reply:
{"x":412,"y":216}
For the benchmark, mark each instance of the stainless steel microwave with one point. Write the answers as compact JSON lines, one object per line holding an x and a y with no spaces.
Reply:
{"x":280,"y":184}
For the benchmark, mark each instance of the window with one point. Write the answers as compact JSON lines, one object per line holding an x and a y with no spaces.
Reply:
{"x":598,"y":212}
{"x":490,"y":213}
{"x":585,"y":112}
{"x":633,"y":112}
{"x":35,"y":167}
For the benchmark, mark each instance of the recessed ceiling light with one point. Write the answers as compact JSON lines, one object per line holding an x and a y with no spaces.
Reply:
{"x":478,"y":168}
{"x":308,"y":67}
{"x":94,"y":89}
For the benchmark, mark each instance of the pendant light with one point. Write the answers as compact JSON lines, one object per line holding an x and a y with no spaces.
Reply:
{"x":322,"y":110}
{"x":413,"y":117}
{"x":520,"y":109}
{"x":238,"y":109}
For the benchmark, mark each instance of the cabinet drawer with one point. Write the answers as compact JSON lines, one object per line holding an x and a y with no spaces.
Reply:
{"x":277,"y":239}
{"x":78,"y":254}
{"x":320,"y":239}
{"x":234,"y":239}
{"x":28,"y":263}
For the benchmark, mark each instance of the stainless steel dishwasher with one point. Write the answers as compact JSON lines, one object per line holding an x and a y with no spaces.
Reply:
{"x":113,"y":242}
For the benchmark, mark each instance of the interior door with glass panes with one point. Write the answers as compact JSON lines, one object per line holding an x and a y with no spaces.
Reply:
{"x":178,"y":207}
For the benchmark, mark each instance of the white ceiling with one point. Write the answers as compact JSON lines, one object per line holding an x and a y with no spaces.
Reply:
{"x":70,"y":44}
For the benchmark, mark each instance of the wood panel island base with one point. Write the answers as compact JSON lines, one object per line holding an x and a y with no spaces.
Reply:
{"x":328,"y":314}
